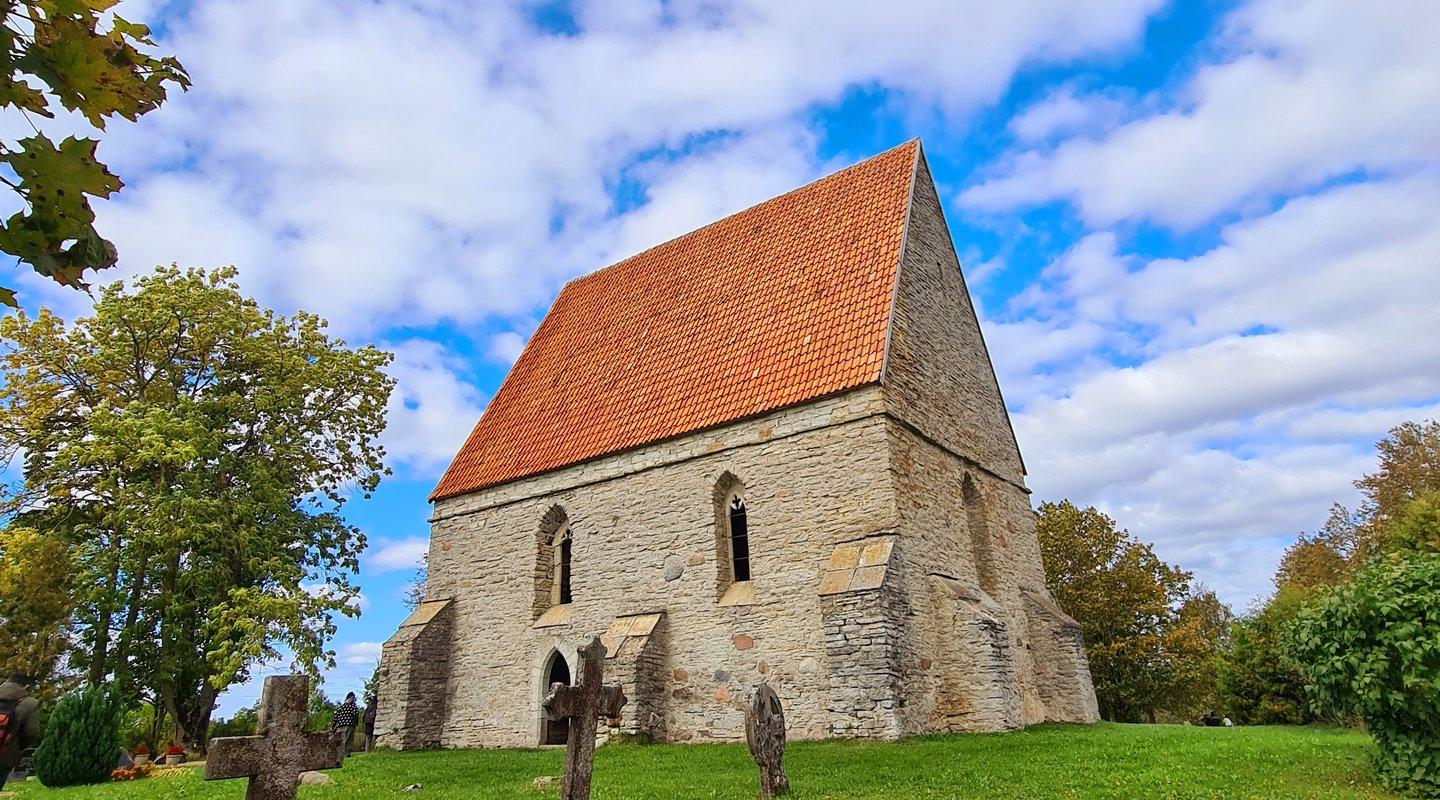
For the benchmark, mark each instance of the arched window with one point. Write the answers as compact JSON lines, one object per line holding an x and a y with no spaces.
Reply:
{"x":739,"y":539}
{"x":553,"y":544}
{"x":732,"y":543}
{"x":560,"y":561}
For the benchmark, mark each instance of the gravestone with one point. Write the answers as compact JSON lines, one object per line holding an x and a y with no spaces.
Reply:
{"x":282,"y":748}
{"x":583,"y":705}
{"x":765,"y":733}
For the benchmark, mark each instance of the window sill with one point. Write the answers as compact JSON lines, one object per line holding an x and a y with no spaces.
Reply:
{"x":555,"y":615}
{"x":739,"y":593}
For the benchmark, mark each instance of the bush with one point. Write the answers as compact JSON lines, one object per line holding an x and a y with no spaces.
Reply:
{"x":1372,"y":648}
{"x":81,"y":742}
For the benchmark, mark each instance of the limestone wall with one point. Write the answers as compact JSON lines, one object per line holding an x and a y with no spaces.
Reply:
{"x":968,"y":548}
{"x":644,"y":541}
{"x":937,"y":371}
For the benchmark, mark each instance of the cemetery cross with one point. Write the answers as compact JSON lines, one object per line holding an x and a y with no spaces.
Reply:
{"x":282,"y":748}
{"x":583,"y":705}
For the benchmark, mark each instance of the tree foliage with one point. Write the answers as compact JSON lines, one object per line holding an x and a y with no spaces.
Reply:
{"x":81,"y":740}
{"x":1258,"y":682}
{"x":1150,"y":641}
{"x":35,"y":602}
{"x":56,"y":52}
{"x":1409,"y":468}
{"x":194,"y":451}
{"x":1372,"y":648}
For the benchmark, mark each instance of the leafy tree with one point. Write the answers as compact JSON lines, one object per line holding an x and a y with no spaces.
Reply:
{"x":243,"y":723}
{"x":1327,"y":557}
{"x":1144,"y":656}
{"x":1409,"y":467}
{"x":320,"y":709}
{"x":55,"y":52}
{"x":1258,"y":682}
{"x":1372,"y":648}
{"x":35,"y":602}
{"x":195,"y":451}
{"x":81,"y":740}
{"x":1193,"y":643}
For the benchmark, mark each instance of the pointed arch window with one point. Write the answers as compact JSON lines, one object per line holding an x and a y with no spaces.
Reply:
{"x":739,"y":526}
{"x":560,"y":548}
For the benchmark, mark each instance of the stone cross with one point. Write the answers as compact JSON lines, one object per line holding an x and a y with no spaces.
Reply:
{"x":583,"y":705}
{"x":765,"y":733}
{"x":274,"y":759}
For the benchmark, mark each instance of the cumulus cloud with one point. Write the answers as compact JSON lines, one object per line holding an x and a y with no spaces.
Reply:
{"x":392,"y":162}
{"x":359,"y":654}
{"x":1218,"y":404}
{"x":432,"y":408}
{"x":1305,"y":91}
{"x":390,"y":555}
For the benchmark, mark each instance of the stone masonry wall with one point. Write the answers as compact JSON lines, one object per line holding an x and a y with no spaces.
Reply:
{"x":863,"y":632}
{"x":414,"y":673}
{"x":949,"y":429}
{"x":938,"y":374}
{"x":814,"y":475}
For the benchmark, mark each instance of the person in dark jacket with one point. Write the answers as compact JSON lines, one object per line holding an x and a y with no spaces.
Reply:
{"x":22,"y":722}
{"x":372,"y":708}
{"x":346,"y":717}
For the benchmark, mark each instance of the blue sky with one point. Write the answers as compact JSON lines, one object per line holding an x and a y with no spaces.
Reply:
{"x":1201,"y":235}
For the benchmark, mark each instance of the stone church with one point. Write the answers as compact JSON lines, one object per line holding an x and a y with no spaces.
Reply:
{"x":771,"y":450}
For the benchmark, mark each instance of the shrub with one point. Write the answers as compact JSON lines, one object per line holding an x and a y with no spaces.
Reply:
{"x":81,"y":742}
{"x":1372,"y":648}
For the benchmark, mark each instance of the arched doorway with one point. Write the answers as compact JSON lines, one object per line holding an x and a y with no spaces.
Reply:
{"x":558,"y":671}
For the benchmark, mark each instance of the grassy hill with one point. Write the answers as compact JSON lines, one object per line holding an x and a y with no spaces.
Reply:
{"x":1054,"y":761}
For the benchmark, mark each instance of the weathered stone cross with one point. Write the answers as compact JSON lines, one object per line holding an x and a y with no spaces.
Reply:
{"x":765,"y":733}
{"x":274,"y":759}
{"x":583,"y":705}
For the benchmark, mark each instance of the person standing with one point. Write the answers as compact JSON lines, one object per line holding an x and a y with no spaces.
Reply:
{"x":372,"y":707}
{"x":19,"y":722}
{"x":346,"y":717}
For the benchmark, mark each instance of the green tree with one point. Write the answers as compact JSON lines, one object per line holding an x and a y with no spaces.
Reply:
{"x":35,"y":603}
{"x":195,"y":451}
{"x":81,"y":740}
{"x":1143,"y":656}
{"x":1409,"y":468}
{"x":1371,"y":648}
{"x":55,"y":52}
{"x":1258,"y":682}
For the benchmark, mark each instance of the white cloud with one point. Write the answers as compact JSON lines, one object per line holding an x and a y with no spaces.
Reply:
{"x":1308,"y":90}
{"x":390,"y":555}
{"x":1064,"y":113}
{"x":399,"y":162}
{"x":1250,"y":380}
{"x":359,"y":654}
{"x":432,"y":408}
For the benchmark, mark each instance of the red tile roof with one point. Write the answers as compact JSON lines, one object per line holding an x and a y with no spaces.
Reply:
{"x":778,"y":304}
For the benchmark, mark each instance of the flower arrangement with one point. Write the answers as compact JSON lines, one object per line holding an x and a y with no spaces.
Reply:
{"x":132,"y":773}
{"x":141,"y":750}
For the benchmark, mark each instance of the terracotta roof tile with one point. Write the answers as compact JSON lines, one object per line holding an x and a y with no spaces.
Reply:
{"x":778,"y":304}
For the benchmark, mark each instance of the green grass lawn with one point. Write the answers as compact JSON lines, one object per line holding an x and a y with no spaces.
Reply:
{"x":1052,"y":761}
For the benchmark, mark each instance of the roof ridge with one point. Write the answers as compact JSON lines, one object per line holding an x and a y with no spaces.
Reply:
{"x":823,"y":178}
{"x":625,"y":358}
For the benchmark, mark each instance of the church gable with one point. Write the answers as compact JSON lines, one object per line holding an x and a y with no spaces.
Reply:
{"x":938,"y":374}
{"x":782,"y":303}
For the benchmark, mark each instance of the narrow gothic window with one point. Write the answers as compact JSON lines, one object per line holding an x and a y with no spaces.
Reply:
{"x":739,"y":540}
{"x":560,"y":591}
